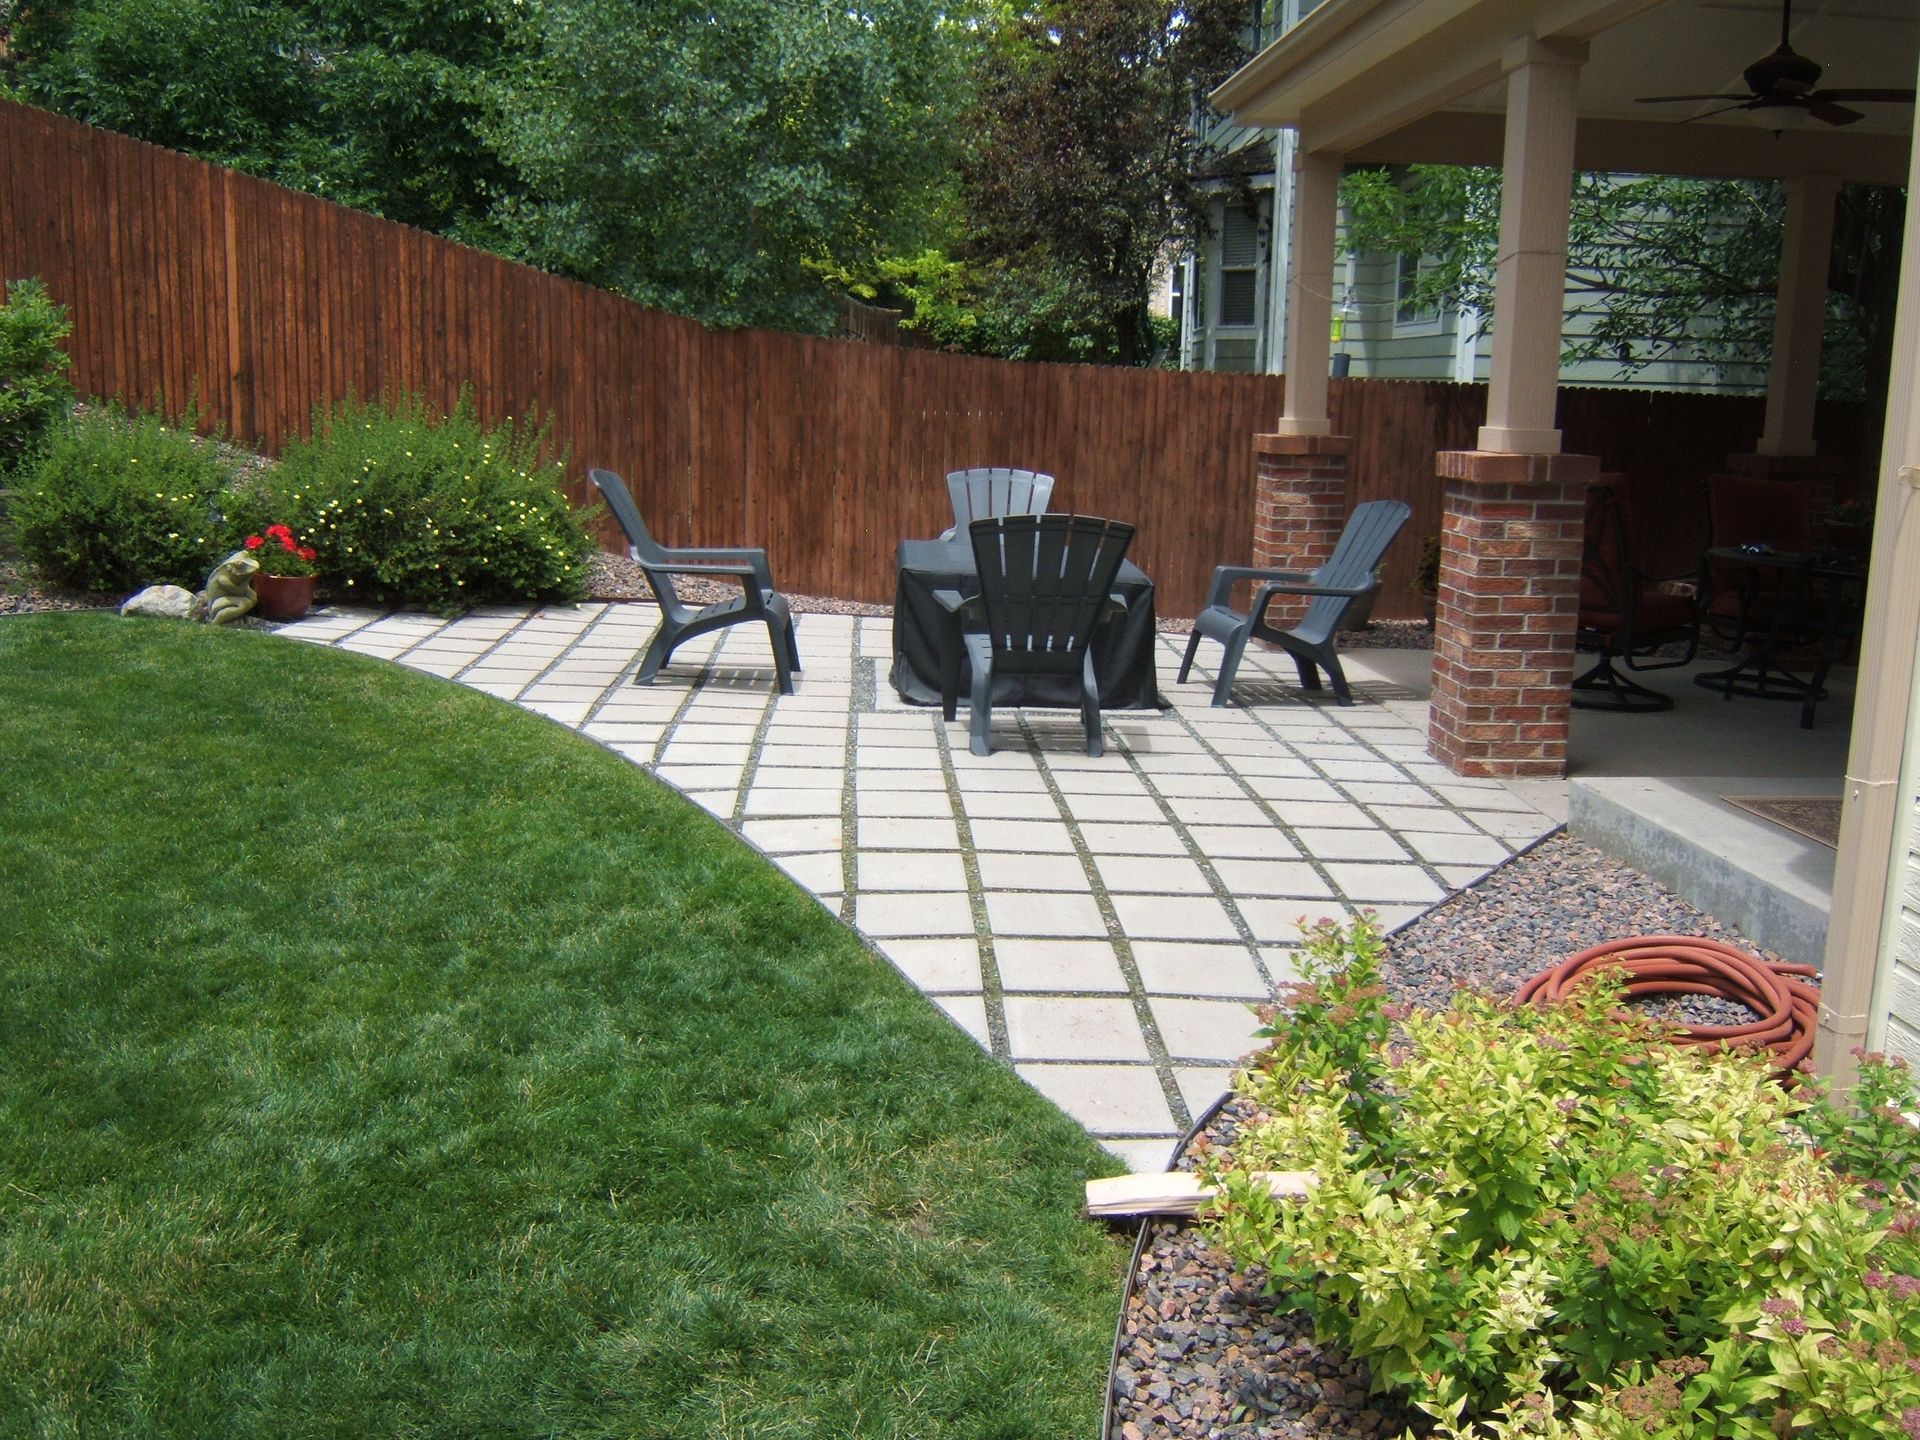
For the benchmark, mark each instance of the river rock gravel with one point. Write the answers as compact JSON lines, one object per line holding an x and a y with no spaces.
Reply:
{"x":1204,"y":1353}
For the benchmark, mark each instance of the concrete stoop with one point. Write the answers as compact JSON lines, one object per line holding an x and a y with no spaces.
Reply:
{"x":1774,"y":886}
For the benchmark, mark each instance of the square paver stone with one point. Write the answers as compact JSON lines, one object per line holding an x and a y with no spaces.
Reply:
{"x":1281,"y":922}
{"x":911,"y":915}
{"x":1401,"y":884}
{"x":1222,"y":970}
{"x":1073,"y":1028}
{"x":1103,"y":839}
{"x":1038,"y":837}
{"x":1204,"y":1029}
{"x":1253,"y":842}
{"x":1201,"y":1085}
{"x":1174,"y":917}
{"x":786,"y":837}
{"x":1152,"y":875}
{"x":911,"y":870}
{"x":821,"y":873}
{"x":1002,"y":870}
{"x":1120,"y":809}
{"x":1105,"y":1099}
{"x":1350,"y":844}
{"x":1038,"y":912}
{"x":969,"y":1012}
{"x":1062,"y":966}
{"x":1142,"y":1157}
{"x":1272,"y":877}
{"x":886,"y":833}
{"x":950,"y":963}
{"x":1481,"y":850}
{"x":1009,"y":805}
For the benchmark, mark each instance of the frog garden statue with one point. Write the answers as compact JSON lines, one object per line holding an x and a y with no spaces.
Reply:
{"x":229,"y":592}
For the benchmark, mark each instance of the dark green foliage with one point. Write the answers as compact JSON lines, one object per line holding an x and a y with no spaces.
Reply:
{"x":409,"y":508}
{"x":1085,"y":159}
{"x":381,"y":1060}
{"x":369,"y":102}
{"x":709,"y":157}
{"x":33,"y":368}
{"x":113,"y":502}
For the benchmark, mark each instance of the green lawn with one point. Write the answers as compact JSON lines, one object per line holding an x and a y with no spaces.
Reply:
{"x":376,"y":1059}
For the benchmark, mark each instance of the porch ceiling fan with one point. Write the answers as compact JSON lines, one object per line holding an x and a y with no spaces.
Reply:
{"x":1785,"y":80}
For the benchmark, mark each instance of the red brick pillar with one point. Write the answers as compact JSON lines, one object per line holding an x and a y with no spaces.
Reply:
{"x":1510,"y":550}
{"x":1299,"y":507}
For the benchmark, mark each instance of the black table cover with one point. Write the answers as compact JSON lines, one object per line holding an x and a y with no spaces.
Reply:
{"x":1122,"y":651}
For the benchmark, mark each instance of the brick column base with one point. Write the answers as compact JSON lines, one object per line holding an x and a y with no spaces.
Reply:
{"x":1510,"y":550}
{"x":1299,"y":507}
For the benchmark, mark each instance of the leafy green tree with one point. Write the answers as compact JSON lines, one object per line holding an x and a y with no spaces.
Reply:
{"x":373,"y":103}
{"x":716,"y":156}
{"x":1086,"y":159}
{"x":1664,"y":268}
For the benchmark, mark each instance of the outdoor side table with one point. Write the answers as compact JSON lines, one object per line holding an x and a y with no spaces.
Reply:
{"x":1123,"y":650}
{"x":1830,"y":590}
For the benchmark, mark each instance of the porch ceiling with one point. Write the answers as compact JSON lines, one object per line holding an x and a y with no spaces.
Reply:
{"x":1397,"y":81}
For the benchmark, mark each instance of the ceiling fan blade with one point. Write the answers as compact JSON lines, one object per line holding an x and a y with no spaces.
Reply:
{"x":1676,"y":99}
{"x":1833,"y":114}
{"x":1709,"y":114}
{"x":1888,"y":97}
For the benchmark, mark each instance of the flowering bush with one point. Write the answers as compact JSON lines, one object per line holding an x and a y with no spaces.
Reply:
{"x":411,"y":508}
{"x":113,"y":501}
{"x":280,"y":553}
{"x":1550,"y":1222}
{"x":34,"y":392}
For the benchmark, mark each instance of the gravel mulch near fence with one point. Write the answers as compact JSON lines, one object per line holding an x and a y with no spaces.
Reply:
{"x":1204,"y":1353}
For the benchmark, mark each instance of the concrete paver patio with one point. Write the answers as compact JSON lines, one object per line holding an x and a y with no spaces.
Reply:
{"x":1099,"y":924}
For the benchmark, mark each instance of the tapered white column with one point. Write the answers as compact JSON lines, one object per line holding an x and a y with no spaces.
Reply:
{"x":1316,"y":198}
{"x":1799,"y":315}
{"x":1530,"y":284}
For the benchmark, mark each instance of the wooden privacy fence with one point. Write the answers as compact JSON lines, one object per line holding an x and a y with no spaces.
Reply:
{"x":186,"y":280}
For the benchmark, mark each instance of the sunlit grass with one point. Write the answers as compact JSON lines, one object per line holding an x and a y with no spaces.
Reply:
{"x":376,"y":1059}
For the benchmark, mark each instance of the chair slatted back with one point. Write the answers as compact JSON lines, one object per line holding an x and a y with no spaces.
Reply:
{"x":1044,"y":583}
{"x":1605,"y":557}
{"x":641,"y":545}
{"x":979,"y":494}
{"x":1355,"y":561}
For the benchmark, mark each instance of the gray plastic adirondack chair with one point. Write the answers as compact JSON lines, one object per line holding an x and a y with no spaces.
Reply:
{"x":978,"y":494}
{"x":1046,"y":584}
{"x":1348,"y":577}
{"x":758,"y":600}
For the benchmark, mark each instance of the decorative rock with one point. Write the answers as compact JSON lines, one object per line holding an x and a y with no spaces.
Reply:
{"x":164,"y":602}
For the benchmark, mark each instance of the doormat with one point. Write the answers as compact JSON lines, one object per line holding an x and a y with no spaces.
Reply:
{"x":1815,"y":816}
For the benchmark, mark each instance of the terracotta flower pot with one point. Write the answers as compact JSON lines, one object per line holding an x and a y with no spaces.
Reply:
{"x":282,"y":597}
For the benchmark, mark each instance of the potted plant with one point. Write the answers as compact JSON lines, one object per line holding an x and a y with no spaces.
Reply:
{"x":1426,"y":576}
{"x":284,"y":586}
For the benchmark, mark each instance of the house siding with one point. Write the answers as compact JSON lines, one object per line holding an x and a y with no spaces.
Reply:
{"x":1895,"y":1026}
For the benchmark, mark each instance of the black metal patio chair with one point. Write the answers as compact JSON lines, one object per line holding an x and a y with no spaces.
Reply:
{"x":757,"y":600}
{"x":1626,"y":614}
{"x":978,"y":494}
{"x":1351,"y":575}
{"x":1045,"y":587}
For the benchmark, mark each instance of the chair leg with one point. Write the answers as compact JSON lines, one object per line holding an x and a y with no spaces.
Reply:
{"x":1309,"y":672}
{"x":659,"y":651}
{"x":980,"y":722}
{"x":780,"y":639}
{"x":1186,"y":664}
{"x":1090,"y":707}
{"x":1341,"y":690}
{"x":950,"y":643}
{"x":1229,"y":666}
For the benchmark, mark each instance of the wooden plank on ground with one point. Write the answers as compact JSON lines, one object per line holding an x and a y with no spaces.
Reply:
{"x":1177,"y":1192}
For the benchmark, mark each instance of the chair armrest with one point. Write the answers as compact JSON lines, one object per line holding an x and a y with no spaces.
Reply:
{"x":1225,"y":577}
{"x":953,"y":602}
{"x":738,"y":558}
{"x":748,"y":575}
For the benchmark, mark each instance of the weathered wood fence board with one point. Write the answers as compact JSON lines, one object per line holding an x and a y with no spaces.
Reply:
{"x":187,"y":281}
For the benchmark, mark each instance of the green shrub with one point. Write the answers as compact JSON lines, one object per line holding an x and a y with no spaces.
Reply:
{"x":1552,"y":1222}
{"x":112,"y":502}
{"x":407,"y":508}
{"x":33,"y":368}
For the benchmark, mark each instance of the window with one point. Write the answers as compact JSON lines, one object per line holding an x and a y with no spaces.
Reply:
{"x":1239,"y":268}
{"x":1408,"y":309}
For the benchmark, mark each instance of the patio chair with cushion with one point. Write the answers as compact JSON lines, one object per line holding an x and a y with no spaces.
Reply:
{"x":1045,"y":587}
{"x":977,"y":494}
{"x":1626,"y":614}
{"x":1350,"y":576}
{"x":1754,"y":510}
{"x":757,"y":601}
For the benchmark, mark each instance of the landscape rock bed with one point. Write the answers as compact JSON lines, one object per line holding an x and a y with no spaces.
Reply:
{"x":1203,"y":1353}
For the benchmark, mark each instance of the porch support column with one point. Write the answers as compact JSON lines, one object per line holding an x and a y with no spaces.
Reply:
{"x":1799,"y":316}
{"x":1316,"y":195}
{"x":1865,"y":940}
{"x":1530,"y":284}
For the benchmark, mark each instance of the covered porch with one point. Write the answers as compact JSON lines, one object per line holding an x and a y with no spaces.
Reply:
{"x":1541,"y":91}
